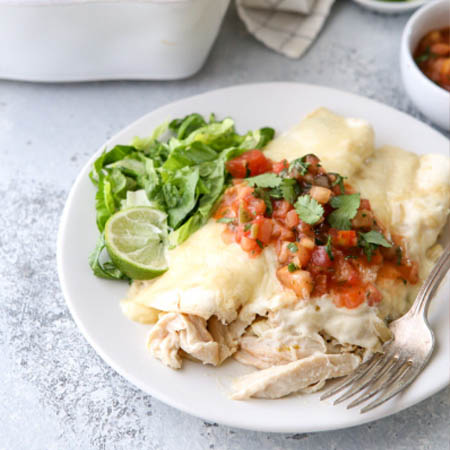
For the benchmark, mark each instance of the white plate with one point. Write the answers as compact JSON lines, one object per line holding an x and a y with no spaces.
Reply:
{"x":391,"y":7}
{"x":202,"y":390}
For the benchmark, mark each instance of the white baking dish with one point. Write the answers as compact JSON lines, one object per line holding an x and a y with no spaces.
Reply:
{"x":78,"y":40}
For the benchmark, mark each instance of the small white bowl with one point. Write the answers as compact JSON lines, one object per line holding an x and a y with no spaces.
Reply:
{"x":430,"y":98}
{"x":391,"y":7}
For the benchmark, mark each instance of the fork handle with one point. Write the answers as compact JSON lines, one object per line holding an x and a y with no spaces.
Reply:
{"x":427,"y":291}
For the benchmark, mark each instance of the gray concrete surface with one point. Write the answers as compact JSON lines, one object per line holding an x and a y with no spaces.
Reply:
{"x":55,"y":392}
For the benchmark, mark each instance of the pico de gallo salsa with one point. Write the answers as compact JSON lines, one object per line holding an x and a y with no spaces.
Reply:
{"x":325,"y":235}
{"x":432,"y":55}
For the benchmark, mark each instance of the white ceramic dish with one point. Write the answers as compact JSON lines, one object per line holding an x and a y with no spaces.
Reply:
{"x":202,"y":390}
{"x":391,"y":7}
{"x":80,"y":40}
{"x":430,"y":98}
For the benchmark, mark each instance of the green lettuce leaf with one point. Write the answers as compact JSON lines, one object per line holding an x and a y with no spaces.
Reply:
{"x":183,"y":175}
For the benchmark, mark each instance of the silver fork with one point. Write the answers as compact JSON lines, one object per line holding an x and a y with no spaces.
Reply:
{"x":403,"y":357}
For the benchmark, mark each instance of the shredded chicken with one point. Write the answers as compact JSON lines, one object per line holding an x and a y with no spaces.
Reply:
{"x":279,"y":381}
{"x":227,"y":336}
{"x":175,"y":331}
{"x":264,"y":352}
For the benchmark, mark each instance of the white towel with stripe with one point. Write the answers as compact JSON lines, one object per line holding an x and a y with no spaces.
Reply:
{"x":286,"y":26}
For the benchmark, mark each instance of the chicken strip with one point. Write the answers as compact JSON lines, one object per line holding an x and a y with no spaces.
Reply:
{"x":264,"y":352}
{"x":227,"y":336}
{"x":279,"y":381}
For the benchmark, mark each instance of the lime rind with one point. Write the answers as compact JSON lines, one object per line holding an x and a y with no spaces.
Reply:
{"x":136,"y":241}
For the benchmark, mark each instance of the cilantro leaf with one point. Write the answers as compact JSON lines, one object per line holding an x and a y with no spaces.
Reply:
{"x":263,"y":194}
{"x":265,"y":180}
{"x":370,"y":241}
{"x":300,"y":165}
{"x":292,"y":246}
{"x":328,"y":248}
{"x":399,"y":254}
{"x":375,"y":237}
{"x":338,"y":181}
{"x":288,"y":190}
{"x":308,"y":209}
{"x":346,"y":209}
{"x":225,"y":220}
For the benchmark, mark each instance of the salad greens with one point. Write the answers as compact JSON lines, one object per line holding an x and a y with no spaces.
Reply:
{"x":183,"y":175}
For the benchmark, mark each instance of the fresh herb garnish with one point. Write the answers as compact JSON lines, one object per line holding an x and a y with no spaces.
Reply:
{"x":225,"y":220}
{"x":308,"y":209}
{"x":370,"y":241}
{"x":259,"y":192}
{"x":346,"y":209}
{"x":338,"y":181}
{"x":351,"y":257}
{"x":288,"y":189}
{"x":265,"y":180}
{"x":260,"y":244}
{"x":247,"y":226}
{"x":292,"y":267}
{"x":300,"y":165}
{"x":399,"y":254}
{"x":328,"y":248}
{"x":292,"y":246}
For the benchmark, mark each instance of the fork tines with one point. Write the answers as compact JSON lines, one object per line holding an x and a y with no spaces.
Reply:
{"x":383,"y":374}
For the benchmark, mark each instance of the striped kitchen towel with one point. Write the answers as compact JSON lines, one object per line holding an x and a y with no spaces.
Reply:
{"x":286,"y":26}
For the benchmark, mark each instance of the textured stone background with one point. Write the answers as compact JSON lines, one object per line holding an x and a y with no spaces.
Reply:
{"x":55,"y":392}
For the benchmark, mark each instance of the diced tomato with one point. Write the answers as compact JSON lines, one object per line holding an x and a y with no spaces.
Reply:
{"x":281,"y":232}
{"x":239,"y":234}
{"x":304,"y":255}
{"x":320,"y":285}
{"x":320,"y":258}
{"x":305,"y":229}
{"x":264,"y":229}
{"x":281,"y":208}
{"x":300,"y":281}
{"x":256,"y":206}
{"x":279,"y":166}
{"x":350,"y":297}
{"x":284,"y":254}
{"x":344,"y":238}
{"x":292,"y":219}
{"x":250,"y":163}
{"x":248,"y":244}
{"x":345,"y":272}
{"x":237,"y":168}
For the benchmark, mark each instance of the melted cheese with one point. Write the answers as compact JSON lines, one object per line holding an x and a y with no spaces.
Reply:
{"x":208,"y":277}
{"x":341,"y":144}
{"x":410,"y":196}
{"x":360,"y":326}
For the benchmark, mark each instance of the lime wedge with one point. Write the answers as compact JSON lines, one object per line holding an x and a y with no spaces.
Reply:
{"x":136,"y":242}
